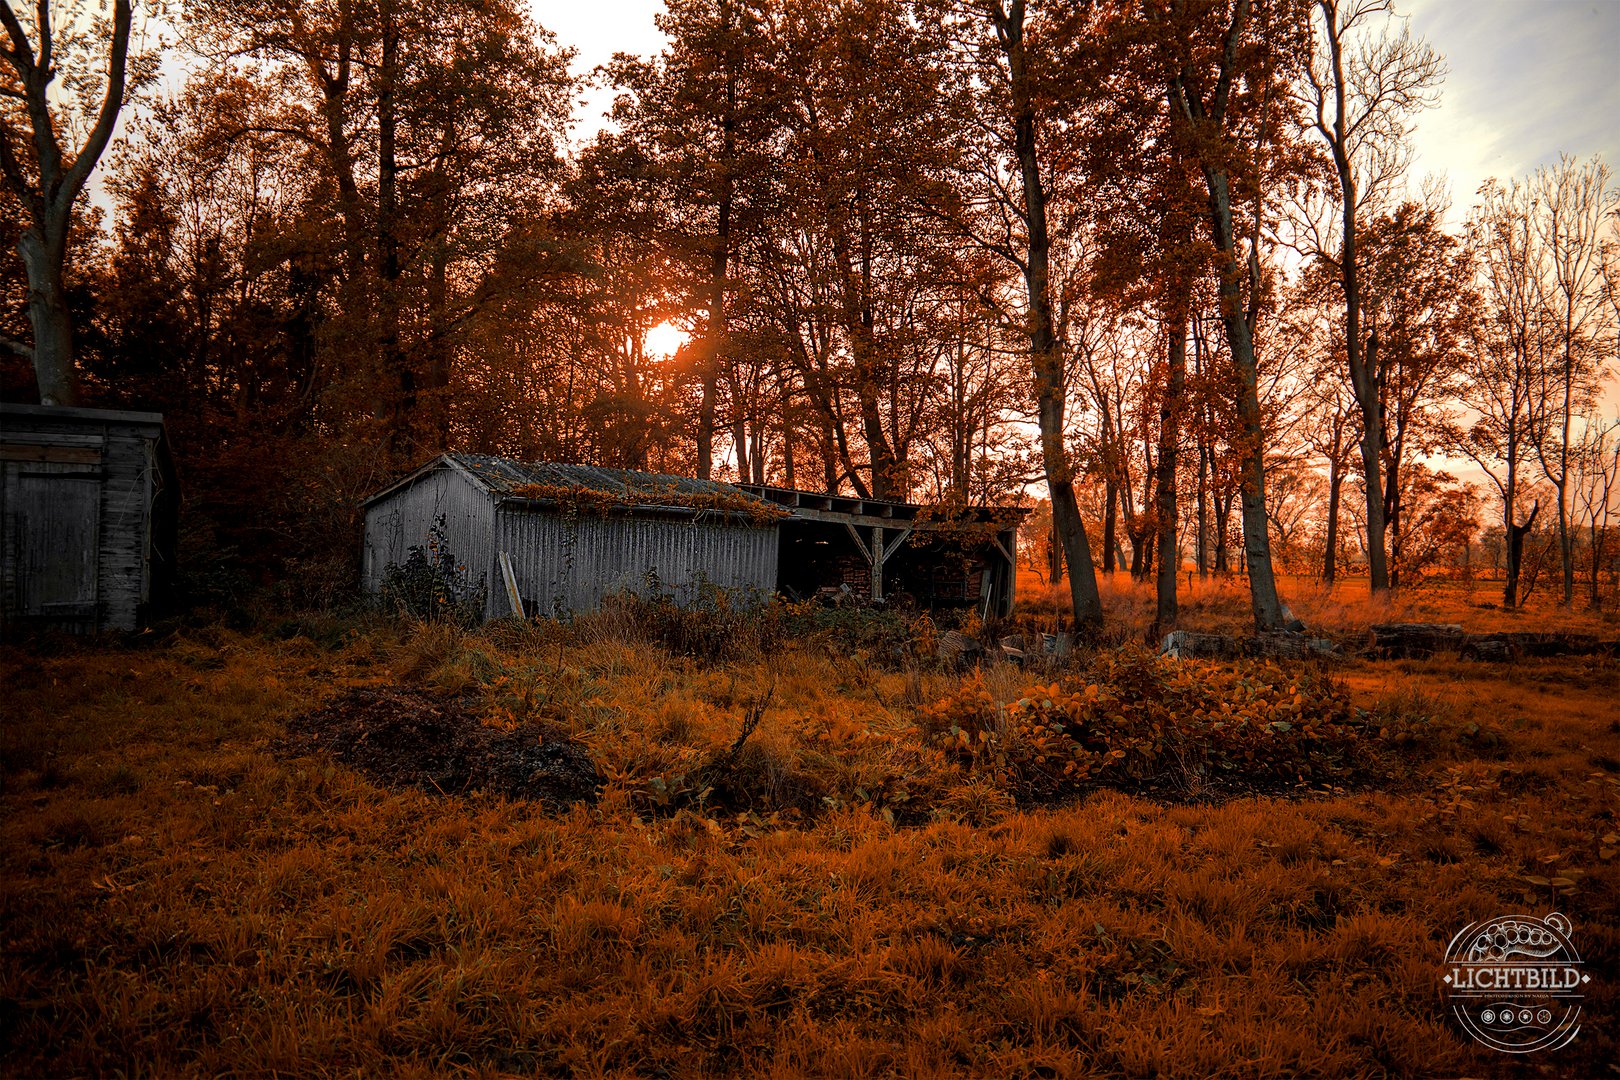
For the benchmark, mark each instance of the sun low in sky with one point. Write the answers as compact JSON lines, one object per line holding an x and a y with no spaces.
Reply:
{"x":664,"y":340}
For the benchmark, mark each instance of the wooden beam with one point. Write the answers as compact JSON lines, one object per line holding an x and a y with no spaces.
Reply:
{"x":860,"y":544}
{"x":839,"y":517}
{"x":1011,"y":598}
{"x":52,"y":455}
{"x":894,"y":545}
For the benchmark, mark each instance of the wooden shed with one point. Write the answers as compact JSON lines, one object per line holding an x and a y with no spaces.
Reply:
{"x":573,"y":534}
{"x":88,"y":510}
{"x":882,"y":551}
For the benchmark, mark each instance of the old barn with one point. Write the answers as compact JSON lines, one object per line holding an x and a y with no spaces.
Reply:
{"x":572,"y":534}
{"x":87,"y":517}
{"x":554,"y":539}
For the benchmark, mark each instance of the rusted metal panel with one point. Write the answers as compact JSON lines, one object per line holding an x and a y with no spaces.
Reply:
{"x":406,"y":519}
{"x":569,"y":563}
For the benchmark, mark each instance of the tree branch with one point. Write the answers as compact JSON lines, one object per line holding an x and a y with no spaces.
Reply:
{"x":110,"y":104}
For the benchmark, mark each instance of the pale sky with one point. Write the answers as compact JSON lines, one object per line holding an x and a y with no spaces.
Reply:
{"x":1527,"y":80}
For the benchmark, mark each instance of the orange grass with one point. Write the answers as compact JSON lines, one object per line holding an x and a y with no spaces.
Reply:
{"x":178,"y":900}
{"x":1221,"y":604}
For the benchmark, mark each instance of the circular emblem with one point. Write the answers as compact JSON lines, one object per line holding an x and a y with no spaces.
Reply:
{"x":1515,"y":982}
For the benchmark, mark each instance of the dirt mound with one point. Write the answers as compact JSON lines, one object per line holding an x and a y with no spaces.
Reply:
{"x":400,"y":737}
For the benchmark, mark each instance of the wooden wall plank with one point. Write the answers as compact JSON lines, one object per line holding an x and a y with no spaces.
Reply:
{"x":55,"y":455}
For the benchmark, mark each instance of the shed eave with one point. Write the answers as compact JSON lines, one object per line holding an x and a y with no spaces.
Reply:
{"x":425,"y":469}
{"x":89,"y":416}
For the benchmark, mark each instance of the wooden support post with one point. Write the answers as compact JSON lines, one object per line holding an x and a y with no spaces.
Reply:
{"x":1008,"y":543}
{"x":877,"y":563}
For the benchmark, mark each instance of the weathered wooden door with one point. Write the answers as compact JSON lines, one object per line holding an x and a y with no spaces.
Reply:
{"x":52,"y":524}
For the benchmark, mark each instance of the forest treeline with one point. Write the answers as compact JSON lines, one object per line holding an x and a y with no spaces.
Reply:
{"x":1162,"y":260}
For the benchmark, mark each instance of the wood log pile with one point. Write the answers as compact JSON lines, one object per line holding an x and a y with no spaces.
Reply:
{"x":1421,"y":640}
{"x":1390,"y":641}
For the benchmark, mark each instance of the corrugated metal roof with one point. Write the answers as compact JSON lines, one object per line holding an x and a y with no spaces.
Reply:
{"x":504,"y":477}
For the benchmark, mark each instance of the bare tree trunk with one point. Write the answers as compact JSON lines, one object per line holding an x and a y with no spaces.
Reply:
{"x":789,"y":464}
{"x":1252,"y":491}
{"x":1045,"y":356}
{"x":397,"y":371}
{"x":1515,"y":553}
{"x":714,"y":330}
{"x":1204,"y":458}
{"x":1203,"y":509}
{"x":54,"y":368}
{"x":48,"y":188}
{"x":1223,"y":521}
{"x":1392,"y":516}
{"x":1110,"y":523}
{"x":1335,"y":479}
{"x":829,"y":457}
{"x":739,"y":436}
{"x":1239,"y":331}
{"x":1169,"y":436}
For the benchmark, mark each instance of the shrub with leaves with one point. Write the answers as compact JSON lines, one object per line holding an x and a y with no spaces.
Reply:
{"x":432,"y":585}
{"x":1138,"y":722}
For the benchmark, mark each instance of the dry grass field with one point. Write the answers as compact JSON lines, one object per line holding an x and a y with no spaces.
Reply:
{"x":811,"y":856}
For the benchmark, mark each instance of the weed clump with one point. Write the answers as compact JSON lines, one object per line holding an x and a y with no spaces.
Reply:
{"x":1139,"y":723}
{"x":705,"y":623}
{"x":432,"y":584}
{"x":404,"y":738}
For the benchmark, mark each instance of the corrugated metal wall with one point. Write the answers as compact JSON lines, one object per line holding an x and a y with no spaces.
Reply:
{"x":570,"y":563}
{"x":404,"y":519}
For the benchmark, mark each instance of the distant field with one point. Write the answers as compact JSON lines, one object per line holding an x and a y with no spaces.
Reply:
{"x":896,"y":874}
{"x":1222,"y":603}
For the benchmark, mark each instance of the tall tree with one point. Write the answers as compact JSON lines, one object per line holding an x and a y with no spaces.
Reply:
{"x":1417,"y":284}
{"x":1597,"y":483}
{"x":705,"y":111}
{"x":421,"y":135}
{"x":1361,"y":87}
{"x":1026,"y":105}
{"x":1502,"y":367}
{"x":1576,"y":215}
{"x":1224,"y":67}
{"x":42,"y":173}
